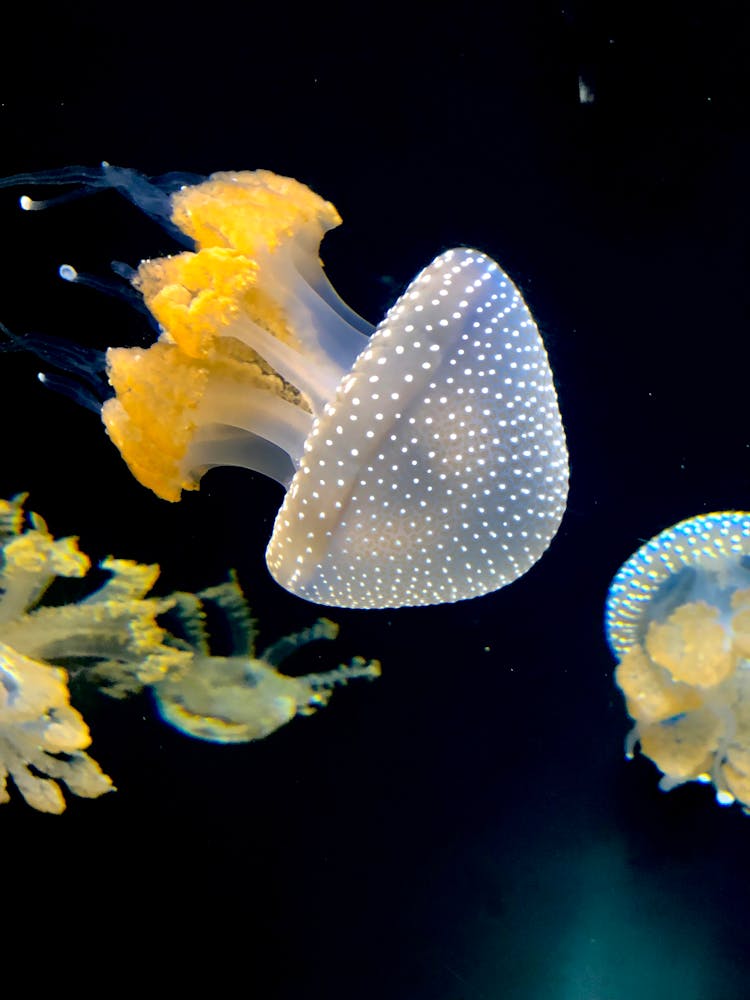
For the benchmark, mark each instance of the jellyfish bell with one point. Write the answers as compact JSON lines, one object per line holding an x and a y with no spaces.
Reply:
{"x":424,"y":462}
{"x":703,"y":559}
{"x":438,"y":472}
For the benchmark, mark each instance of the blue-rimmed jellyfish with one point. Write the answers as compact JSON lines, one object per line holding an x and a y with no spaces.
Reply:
{"x":424,"y":461}
{"x":678,"y":621}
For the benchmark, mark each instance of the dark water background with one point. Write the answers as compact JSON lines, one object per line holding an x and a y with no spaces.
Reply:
{"x":466,"y":828}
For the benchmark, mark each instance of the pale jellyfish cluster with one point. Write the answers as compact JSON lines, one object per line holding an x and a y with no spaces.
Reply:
{"x":678,"y":621}
{"x":113,"y":636}
{"x":43,"y":738}
{"x":244,"y":696}
{"x":424,"y":460}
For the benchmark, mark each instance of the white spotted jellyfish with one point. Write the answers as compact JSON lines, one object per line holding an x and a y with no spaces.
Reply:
{"x":678,"y":621}
{"x":424,"y":461}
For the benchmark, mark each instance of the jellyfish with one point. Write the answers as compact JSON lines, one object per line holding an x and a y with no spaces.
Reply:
{"x":43,"y":738}
{"x":678,"y":622}
{"x":423,"y":461}
{"x":120,"y":640}
{"x":243,"y":696}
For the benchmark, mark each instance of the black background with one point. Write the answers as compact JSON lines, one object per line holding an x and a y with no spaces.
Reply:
{"x":466,"y":828}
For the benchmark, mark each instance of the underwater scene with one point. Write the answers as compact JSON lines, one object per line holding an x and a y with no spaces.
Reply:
{"x":375,"y":511}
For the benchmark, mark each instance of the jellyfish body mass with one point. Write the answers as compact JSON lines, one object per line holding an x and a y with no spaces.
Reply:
{"x":424,"y":462}
{"x":678,"y":621}
{"x":244,"y":696}
{"x":115,"y":639}
{"x":43,"y":737}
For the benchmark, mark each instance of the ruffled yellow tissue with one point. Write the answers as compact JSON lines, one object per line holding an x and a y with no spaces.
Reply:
{"x":39,"y":729}
{"x":42,"y":737}
{"x":113,"y":632}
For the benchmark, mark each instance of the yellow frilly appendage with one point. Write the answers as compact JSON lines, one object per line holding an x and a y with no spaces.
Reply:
{"x":37,"y":725}
{"x":151,"y":417}
{"x":252,"y":211}
{"x":688,"y":690}
{"x":252,"y":231}
{"x":42,"y":737}
{"x":693,"y":646}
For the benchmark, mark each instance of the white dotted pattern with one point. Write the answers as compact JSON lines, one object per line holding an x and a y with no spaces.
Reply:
{"x":707,"y":542}
{"x":439,"y":471}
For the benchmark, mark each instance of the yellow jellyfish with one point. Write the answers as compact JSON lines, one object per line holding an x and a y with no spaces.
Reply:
{"x":114,"y":639}
{"x":678,"y":621}
{"x":243,"y":697}
{"x":424,"y":462}
{"x":42,"y":736}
